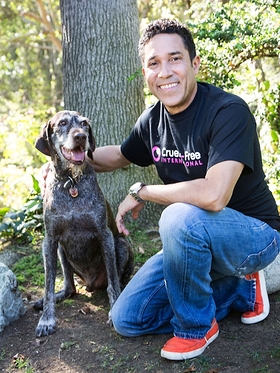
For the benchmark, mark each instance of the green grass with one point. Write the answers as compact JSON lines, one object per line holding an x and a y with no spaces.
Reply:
{"x":145,"y":242}
{"x":275,"y":354}
{"x":23,"y":364}
{"x":30,"y":269}
{"x":2,"y":354}
{"x":260,"y":359}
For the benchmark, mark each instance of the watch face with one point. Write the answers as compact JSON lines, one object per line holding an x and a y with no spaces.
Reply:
{"x":137,"y":186}
{"x":134,"y":189}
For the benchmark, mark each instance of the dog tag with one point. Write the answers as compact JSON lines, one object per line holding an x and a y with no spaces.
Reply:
{"x":73,"y":192}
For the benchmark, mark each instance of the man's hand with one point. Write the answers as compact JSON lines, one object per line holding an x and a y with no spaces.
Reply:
{"x":128,"y":204}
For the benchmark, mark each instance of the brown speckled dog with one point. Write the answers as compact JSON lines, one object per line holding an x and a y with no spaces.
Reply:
{"x":79,"y":224}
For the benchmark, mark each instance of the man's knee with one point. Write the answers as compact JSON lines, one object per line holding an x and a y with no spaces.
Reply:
{"x":117,"y":319}
{"x":178,"y":215}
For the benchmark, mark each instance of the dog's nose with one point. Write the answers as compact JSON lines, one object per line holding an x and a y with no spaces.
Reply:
{"x":80,"y":138}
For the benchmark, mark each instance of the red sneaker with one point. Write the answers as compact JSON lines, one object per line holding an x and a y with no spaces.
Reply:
{"x":261,"y":308}
{"x":180,"y":349}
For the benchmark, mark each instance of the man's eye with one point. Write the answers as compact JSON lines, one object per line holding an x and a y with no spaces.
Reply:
{"x":152,"y":64}
{"x":175,"y":59}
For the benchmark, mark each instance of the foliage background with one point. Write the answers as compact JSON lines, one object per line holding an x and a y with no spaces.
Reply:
{"x":238,"y":42}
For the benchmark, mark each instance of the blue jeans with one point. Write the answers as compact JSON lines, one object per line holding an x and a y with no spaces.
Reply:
{"x":198,"y":275}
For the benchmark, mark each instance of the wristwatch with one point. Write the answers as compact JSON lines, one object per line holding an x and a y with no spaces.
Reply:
{"x":134,"y":189}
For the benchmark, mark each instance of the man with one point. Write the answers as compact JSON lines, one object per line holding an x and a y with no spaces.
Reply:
{"x":219,"y":229}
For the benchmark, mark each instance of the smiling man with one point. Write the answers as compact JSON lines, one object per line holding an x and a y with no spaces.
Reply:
{"x":170,"y":72}
{"x":220,"y":225}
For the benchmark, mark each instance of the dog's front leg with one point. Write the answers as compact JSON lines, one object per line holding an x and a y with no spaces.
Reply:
{"x":113,"y":289}
{"x":47,"y":321}
{"x":69,"y":286}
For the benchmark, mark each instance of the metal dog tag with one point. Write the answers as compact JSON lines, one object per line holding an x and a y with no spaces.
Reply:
{"x":73,"y":192}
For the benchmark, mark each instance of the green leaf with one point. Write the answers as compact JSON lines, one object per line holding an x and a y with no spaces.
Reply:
{"x":274,"y":135}
{"x":36,"y":185}
{"x":3,"y":211}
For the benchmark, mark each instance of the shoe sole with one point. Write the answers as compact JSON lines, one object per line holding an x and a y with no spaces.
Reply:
{"x":266,"y":305}
{"x":188,"y":355}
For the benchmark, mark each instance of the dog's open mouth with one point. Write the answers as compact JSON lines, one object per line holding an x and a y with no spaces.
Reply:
{"x":76,"y":156}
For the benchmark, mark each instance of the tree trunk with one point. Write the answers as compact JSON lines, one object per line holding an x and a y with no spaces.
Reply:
{"x":99,"y":44}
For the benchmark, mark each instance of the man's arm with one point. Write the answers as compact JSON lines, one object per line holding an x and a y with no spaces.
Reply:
{"x":108,"y":158}
{"x":211,"y":193}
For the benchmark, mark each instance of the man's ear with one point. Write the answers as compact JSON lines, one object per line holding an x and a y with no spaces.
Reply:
{"x":196,"y":64}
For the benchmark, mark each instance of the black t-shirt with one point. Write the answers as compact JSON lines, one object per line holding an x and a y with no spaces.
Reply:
{"x":216,"y":127}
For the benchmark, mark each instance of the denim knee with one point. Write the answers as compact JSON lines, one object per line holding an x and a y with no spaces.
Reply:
{"x":118,"y":321}
{"x":176,"y":216}
{"x":168,"y":217}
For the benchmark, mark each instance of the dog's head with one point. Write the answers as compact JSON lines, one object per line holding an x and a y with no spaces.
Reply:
{"x":67,"y":135}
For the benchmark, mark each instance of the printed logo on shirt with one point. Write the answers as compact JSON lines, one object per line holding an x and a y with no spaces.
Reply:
{"x":164,"y":155}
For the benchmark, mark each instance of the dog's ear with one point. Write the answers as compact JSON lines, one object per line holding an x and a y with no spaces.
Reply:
{"x":91,"y":141}
{"x":89,"y":154}
{"x":43,"y":143}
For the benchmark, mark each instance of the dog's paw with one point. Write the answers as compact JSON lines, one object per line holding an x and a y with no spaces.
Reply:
{"x":109,"y":321}
{"x":45,"y":327}
{"x":38,"y":305}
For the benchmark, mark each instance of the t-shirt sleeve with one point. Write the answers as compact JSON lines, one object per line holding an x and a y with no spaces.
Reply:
{"x":233,"y":136}
{"x":135,"y":147}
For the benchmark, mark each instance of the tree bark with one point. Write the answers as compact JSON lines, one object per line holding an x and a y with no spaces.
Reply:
{"x":99,"y":45}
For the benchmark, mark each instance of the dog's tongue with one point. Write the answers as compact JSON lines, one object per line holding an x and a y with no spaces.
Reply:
{"x":76,"y":155}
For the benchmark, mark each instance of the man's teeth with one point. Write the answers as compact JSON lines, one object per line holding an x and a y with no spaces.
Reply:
{"x":168,"y":85}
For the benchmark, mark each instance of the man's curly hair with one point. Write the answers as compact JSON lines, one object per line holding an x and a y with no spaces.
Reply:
{"x":167,"y":26}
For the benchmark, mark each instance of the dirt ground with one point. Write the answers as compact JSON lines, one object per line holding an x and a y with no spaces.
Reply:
{"x":84,"y":342}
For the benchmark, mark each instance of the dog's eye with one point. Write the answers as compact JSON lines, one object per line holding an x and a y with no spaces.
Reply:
{"x":83,"y":123}
{"x":62,"y":123}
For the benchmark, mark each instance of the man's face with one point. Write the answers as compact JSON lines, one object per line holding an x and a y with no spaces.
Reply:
{"x":169,"y":72}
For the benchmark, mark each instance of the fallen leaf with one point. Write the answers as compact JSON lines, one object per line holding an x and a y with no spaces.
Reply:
{"x":191,"y":368}
{"x":66,"y":345}
{"x":85,"y":310}
{"x":39,"y":342}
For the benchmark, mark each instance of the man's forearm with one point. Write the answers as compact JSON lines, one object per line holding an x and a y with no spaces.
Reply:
{"x":108,"y":158}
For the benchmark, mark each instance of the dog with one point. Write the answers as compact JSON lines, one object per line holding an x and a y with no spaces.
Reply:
{"x":79,"y":225}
